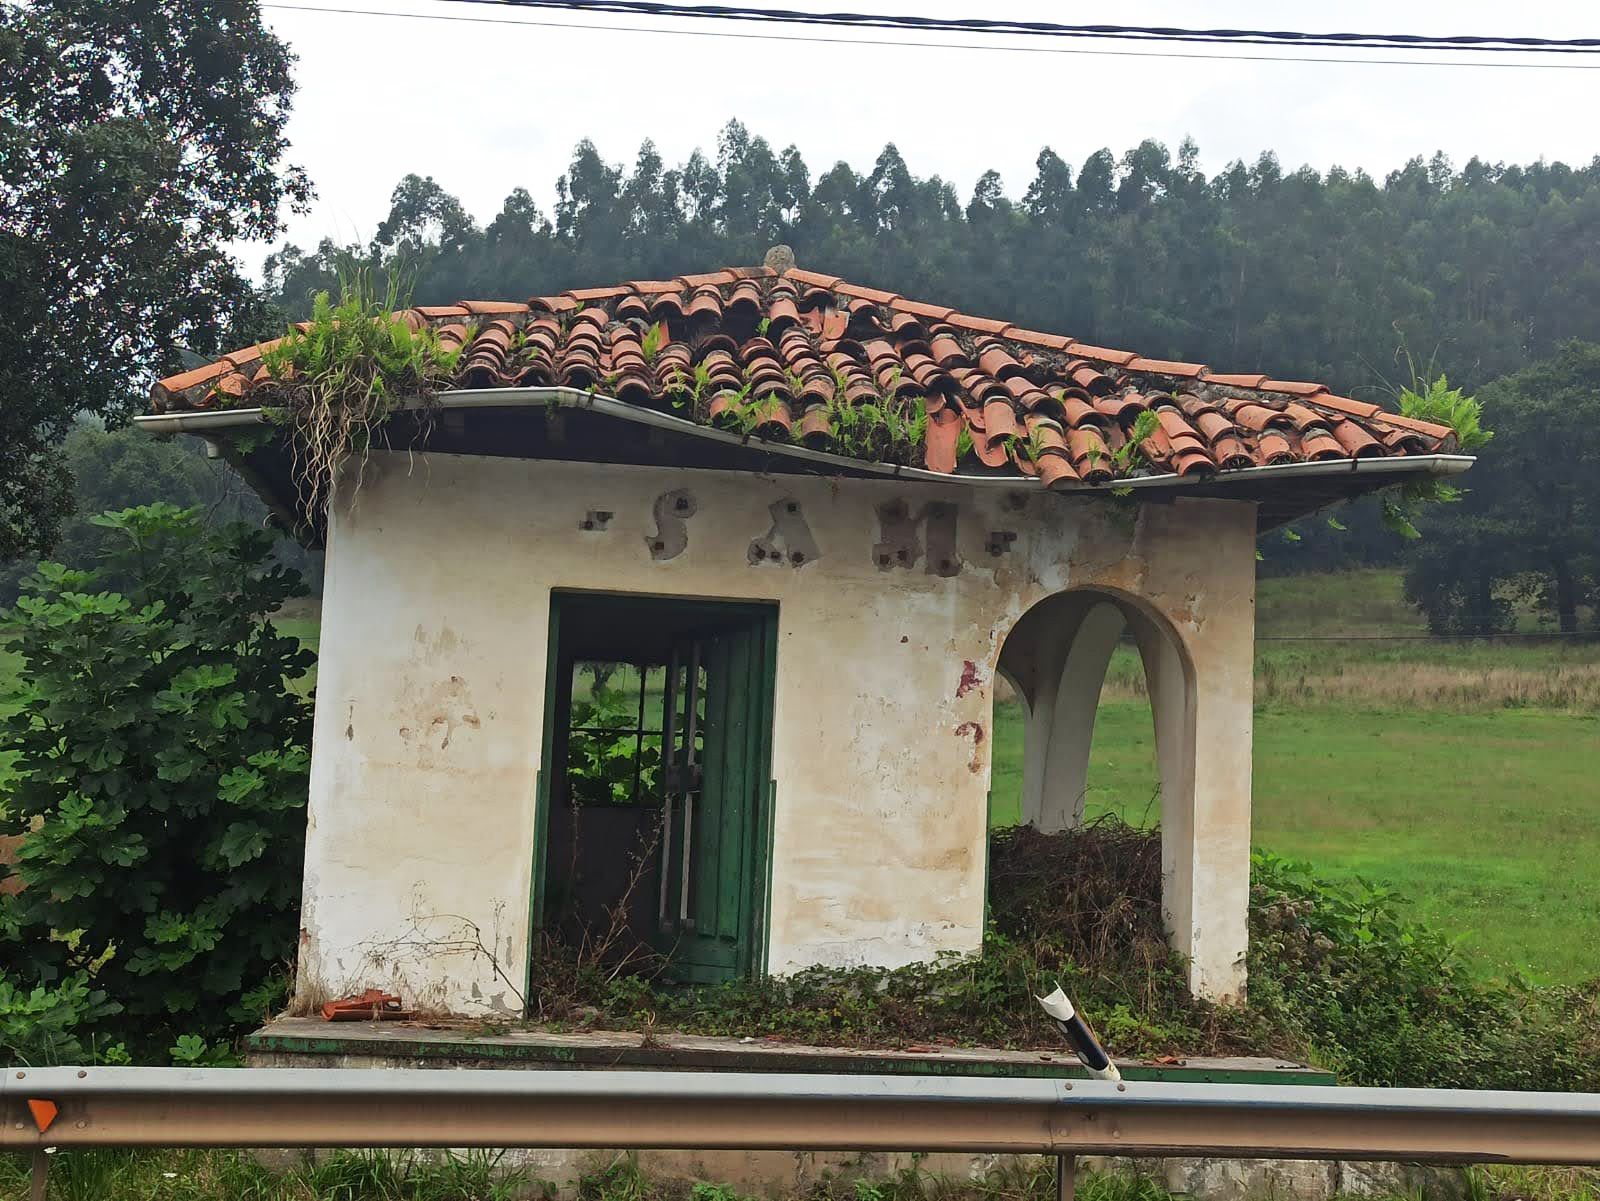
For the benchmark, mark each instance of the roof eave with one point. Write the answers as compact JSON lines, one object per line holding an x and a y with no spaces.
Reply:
{"x":215,"y":422}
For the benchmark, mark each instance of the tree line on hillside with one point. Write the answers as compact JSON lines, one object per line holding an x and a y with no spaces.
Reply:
{"x":1367,"y":285}
{"x":144,"y":139}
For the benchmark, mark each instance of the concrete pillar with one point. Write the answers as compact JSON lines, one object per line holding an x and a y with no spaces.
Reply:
{"x":1065,"y":731}
{"x":1056,"y":659}
{"x":1203,"y":729}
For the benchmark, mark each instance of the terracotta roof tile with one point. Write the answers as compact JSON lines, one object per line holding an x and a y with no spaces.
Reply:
{"x":875,"y":295}
{"x":811,"y":277}
{"x":1165,"y":367}
{"x":917,"y":308}
{"x":1100,"y":354}
{"x":1343,"y":404}
{"x":709,"y":278}
{"x":982,"y":325}
{"x":1292,"y":387}
{"x":1034,"y":338}
{"x":1412,"y":424}
{"x":586,"y":295}
{"x":1033,"y":403}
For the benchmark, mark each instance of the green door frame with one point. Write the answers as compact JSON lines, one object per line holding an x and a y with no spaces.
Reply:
{"x":754,"y":944}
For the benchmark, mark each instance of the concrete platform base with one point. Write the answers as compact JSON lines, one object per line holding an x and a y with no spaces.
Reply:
{"x":791,"y":1175}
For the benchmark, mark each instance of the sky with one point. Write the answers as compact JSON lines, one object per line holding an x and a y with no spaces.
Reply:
{"x":498,"y":101}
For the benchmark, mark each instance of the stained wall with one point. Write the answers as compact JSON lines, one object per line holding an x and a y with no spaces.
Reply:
{"x":431,"y":687}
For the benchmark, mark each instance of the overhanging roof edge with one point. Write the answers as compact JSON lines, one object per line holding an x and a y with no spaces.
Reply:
{"x":216,"y":420}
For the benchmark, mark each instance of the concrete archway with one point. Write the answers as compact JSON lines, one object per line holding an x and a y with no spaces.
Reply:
{"x":1055,"y":657}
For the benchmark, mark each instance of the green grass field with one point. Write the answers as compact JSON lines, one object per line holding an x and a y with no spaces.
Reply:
{"x":1488,"y":823}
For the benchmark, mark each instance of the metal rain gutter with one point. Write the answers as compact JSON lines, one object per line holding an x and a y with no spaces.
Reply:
{"x":212,"y":421}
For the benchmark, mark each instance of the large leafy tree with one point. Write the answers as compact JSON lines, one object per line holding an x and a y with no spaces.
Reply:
{"x":138,"y":138}
{"x":158,"y":770}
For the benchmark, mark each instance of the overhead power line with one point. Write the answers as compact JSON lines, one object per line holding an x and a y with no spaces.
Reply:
{"x":1012,"y":48}
{"x":1475,"y":43}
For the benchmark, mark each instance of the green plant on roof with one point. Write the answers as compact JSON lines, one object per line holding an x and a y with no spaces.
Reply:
{"x":1131,"y":454}
{"x":917,"y":429}
{"x":1034,"y":446}
{"x":652,"y":342}
{"x":337,"y":381}
{"x":1438,"y":402}
{"x":964,"y":443}
{"x":702,"y":381}
{"x":763,"y":326}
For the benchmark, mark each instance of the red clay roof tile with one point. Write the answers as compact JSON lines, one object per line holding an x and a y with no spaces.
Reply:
{"x":1034,"y":338}
{"x":1235,"y":381}
{"x":904,"y":353}
{"x":1165,"y":367}
{"x":811,"y":277}
{"x":1101,"y":354}
{"x":856,"y":291}
{"x":1292,"y":387}
{"x":982,"y":325}
{"x":496,"y":308}
{"x":917,"y":308}
{"x":1411,"y":423}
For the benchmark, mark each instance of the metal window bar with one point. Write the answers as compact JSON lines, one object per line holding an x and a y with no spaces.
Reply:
{"x":669,"y":714}
{"x":638,"y":732}
{"x":691,"y":730}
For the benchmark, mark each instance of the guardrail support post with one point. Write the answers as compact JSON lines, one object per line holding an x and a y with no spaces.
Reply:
{"x":41,"y":1166}
{"x":1066,"y":1176}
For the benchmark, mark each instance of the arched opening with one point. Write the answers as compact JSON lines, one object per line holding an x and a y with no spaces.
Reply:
{"x":1064,"y":657}
{"x":1055,"y":659}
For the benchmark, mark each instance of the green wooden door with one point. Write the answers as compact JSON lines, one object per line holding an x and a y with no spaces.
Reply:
{"x":714,"y":840}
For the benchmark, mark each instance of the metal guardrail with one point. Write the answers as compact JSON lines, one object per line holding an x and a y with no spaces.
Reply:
{"x":288,"y":1107}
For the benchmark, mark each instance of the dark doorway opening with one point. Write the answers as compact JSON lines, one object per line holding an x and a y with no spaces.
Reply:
{"x":654,"y":806}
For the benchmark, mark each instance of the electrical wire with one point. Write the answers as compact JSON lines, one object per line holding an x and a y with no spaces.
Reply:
{"x":985,"y":25}
{"x":917,"y":45}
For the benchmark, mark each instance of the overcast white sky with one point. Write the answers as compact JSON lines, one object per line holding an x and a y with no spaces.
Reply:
{"x":485,"y":107}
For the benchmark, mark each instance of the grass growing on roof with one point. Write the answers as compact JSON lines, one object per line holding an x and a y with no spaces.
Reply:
{"x":336,"y":382}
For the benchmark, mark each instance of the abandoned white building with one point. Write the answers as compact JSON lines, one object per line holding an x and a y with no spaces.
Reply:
{"x":720,"y":571}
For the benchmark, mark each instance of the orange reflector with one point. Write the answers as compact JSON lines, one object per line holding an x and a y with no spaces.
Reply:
{"x":44,"y":1112}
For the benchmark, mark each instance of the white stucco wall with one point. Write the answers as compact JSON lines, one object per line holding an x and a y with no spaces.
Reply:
{"x":432,"y":680}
